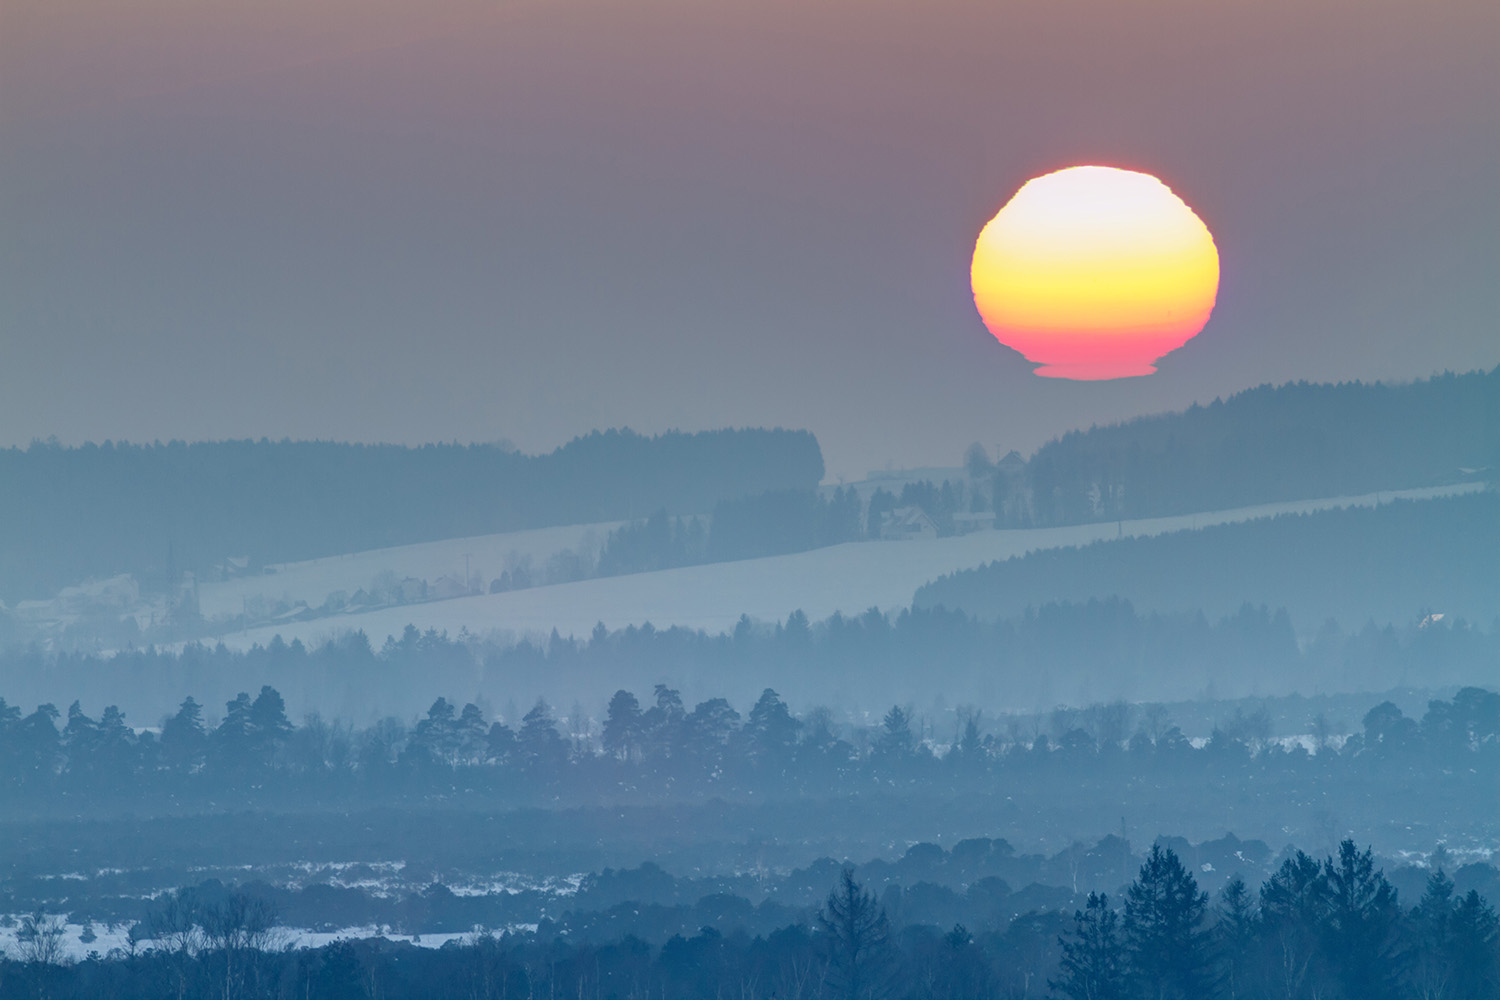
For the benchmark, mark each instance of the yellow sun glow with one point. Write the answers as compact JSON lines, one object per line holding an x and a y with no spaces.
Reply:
{"x":1095,"y":273}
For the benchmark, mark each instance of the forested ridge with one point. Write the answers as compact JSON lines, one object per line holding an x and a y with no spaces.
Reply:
{"x":155,"y":510}
{"x":1395,"y":562}
{"x":1287,"y":442}
{"x":662,"y":750}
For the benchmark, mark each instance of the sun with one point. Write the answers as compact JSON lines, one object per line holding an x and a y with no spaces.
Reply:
{"x":1095,"y":273}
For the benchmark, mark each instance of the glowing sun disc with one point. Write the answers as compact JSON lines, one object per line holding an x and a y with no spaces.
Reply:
{"x":1095,"y":273}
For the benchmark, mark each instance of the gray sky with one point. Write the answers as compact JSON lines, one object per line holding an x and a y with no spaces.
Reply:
{"x":464,"y":220}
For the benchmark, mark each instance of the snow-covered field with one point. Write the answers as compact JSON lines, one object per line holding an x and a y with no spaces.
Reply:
{"x":377,"y":878}
{"x":849,"y":578}
{"x":313,"y":580}
{"x":116,"y":936}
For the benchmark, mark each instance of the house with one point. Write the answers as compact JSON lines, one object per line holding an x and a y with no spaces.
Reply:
{"x":907,"y":522}
{"x":448,"y":586}
{"x":1012,"y":465}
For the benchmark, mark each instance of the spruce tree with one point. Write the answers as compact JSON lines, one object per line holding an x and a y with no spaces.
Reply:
{"x":1093,"y":960}
{"x":1473,"y":955}
{"x":1166,"y":943}
{"x":1293,"y":902}
{"x":1362,"y":925}
{"x":1431,"y":972}
{"x":1235,"y":938}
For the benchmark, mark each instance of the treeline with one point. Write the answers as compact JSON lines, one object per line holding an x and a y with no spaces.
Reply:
{"x":1331,"y":928}
{"x":1395,"y":562}
{"x":1057,"y":653}
{"x":67,"y":514}
{"x":666,"y":749}
{"x":1289,"y":442}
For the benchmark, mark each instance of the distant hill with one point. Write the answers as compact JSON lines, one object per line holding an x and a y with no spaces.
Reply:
{"x":1286,"y":442}
{"x":1390,"y":564}
{"x":154,"y":510}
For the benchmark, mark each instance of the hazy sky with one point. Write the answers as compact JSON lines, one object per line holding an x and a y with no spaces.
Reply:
{"x":475,"y":219}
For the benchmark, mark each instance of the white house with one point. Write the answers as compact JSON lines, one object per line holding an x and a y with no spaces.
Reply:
{"x":907,"y":522}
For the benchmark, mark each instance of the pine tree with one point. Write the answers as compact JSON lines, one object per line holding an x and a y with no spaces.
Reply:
{"x":1362,"y":923}
{"x":436,"y":737}
{"x":1166,"y":943}
{"x":772,"y":731}
{"x":183,"y":737}
{"x":895,"y":741}
{"x":541,"y":746}
{"x":270,"y":727}
{"x":1472,"y":952}
{"x":472,"y":734}
{"x":1293,"y":902}
{"x":1235,"y":935}
{"x":232,"y":740}
{"x":622,"y":726}
{"x":1093,"y":960}
{"x":1431,"y":970}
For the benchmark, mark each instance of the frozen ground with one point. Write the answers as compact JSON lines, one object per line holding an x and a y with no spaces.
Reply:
{"x":116,"y":936}
{"x":849,"y":578}
{"x":377,"y":878}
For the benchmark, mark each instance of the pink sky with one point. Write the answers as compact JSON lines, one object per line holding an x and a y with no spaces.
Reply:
{"x":396,"y":221}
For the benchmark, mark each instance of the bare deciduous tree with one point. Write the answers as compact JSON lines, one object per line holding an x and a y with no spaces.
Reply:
{"x":40,"y":938}
{"x":858,"y":942}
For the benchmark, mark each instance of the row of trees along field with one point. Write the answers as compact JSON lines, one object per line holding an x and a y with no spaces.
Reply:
{"x":864,"y":662}
{"x":1316,"y":929}
{"x":256,"y":750}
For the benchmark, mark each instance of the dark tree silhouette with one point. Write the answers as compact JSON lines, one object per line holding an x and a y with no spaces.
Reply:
{"x":1235,"y":938}
{"x":1165,"y":938}
{"x":1092,"y":966}
{"x":895,"y":741}
{"x":1361,"y":924}
{"x":771,"y":732}
{"x":540,"y":744}
{"x":622,"y":727}
{"x":1293,"y":902}
{"x":1473,"y":949}
{"x":857,"y":941}
{"x":183,"y":738}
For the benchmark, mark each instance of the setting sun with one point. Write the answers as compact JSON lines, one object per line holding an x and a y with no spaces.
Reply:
{"x":1095,"y":273}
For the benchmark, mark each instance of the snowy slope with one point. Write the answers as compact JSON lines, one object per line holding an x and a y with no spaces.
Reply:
{"x":847,"y":578}
{"x":312,"y":581}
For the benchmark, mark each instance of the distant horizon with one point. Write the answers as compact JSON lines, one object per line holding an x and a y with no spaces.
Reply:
{"x":379,"y":222}
{"x":996,"y":448}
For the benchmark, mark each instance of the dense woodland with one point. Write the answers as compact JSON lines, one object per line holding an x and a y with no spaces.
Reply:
{"x":1272,"y":443}
{"x":663,"y":749}
{"x":1330,"y":928}
{"x":1057,"y":653}
{"x":1395,"y":562}
{"x":67,"y":514}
